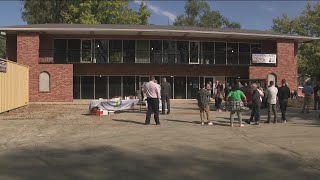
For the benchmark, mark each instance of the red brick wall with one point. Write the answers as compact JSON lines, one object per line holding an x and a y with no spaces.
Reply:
{"x":286,"y":64}
{"x":11,"y":47}
{"x":61,"y":76}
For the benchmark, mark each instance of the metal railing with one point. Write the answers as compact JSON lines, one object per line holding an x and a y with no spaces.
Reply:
{"x":116,"y":56}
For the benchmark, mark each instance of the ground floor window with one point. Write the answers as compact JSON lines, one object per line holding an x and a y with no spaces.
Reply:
{"x":87,"y":87}
{"x":107,"y":87}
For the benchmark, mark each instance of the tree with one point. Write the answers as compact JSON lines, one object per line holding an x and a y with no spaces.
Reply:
{"x":199,"y":13}
{"x":307,"y":24}
{"x":106,"y":12}
{"x":83,"y":12}
{"x":45,"y":11}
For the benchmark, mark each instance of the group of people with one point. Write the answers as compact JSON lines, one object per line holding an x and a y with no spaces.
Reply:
{"x":236,"y":100}
{"x":154,"y":93}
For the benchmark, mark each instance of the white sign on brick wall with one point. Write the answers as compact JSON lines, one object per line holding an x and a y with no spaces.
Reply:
{"x":264,"y":58}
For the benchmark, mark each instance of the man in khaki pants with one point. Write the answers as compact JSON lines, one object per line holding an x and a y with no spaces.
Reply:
{"x":307,"y":91}
{"x":203,"y":103}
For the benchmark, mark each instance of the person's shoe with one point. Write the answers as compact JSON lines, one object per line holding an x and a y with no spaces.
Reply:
{"x":267,"y":122}
{"x":308,"y":112}
{"x":168,"y":112}
{"x":202,"y":124}
{"x":158,"y":124}
{"x":284,"y":121}
{"x":210,"y":123}
{"x":146,"y":123}
{"x":247,"y":121}
{"x":275,"y":122}
{"x":302,"y":112}
{"x":241,"y":125}
{"x":256,"y":123}
{"x":231,"y":124}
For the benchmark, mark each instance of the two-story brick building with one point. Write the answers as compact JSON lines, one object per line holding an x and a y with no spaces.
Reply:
{"x":69,"y":61}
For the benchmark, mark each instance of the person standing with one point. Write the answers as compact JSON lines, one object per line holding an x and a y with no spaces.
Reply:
{"x":283,"y":96}
{"x":219,"y":97}
{"x":256,"y":104}
{"x":272,"y":102}
{"x":316,"y":98}
{"x":236,"y":99}
{"x":209,"y":89}
{"x":152,"y":92}
{"x":307,"y":91}
{"x":165,"y":95}
{"x":203,"y":103}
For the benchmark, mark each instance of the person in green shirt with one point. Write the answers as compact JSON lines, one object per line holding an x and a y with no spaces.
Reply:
{"x":236,"y":99}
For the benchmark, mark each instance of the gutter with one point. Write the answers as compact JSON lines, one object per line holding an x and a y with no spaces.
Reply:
{"x":158,"y":30}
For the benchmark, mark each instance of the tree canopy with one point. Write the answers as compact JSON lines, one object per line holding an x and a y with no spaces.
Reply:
{"x":199,"y":13}
{"x":83,"y":12}
{"x":307,"y":24}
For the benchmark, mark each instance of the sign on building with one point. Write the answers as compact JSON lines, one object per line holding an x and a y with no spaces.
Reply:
{"x":3,"y":66}
{"x":264,"y":58}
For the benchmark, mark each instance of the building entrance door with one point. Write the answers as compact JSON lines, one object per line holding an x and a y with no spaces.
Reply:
{"x":192,"y":87}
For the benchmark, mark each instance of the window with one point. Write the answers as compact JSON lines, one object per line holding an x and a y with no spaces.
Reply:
{"x":142,"y":51}
{"x":86,"y":51}
{"x":74,"y":50}
{"x":115,"y":55}
{"x":183,"y":52}
{"x":244,"y":53}
{"x":180,"y":87}
{"x":255,"y":48}
{"x":169,"y":52}
{"x":156,"y":51}
{"x":60,"y":50}
{"x":101,"y":51}
{"x":76,"y":87}
{"x":101,"y":87}
{"x":129,"y":88}
{"x":114,"y":86}
{"x":44,"y":82}
{"x":220,"y":53}
{"x":232,"y":56}
{"x":87,"y":87}
{"x":128,"y":51}
{"x":208,"y":52}
{"x":194,"y":52}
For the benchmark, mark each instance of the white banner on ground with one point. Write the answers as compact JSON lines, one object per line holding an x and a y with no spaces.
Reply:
{"x":114,"y":105}
{"x":264,"y":58}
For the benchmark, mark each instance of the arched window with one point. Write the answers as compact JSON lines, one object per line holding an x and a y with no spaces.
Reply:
{"x":44,"y":82}
{"x":272,"y":77}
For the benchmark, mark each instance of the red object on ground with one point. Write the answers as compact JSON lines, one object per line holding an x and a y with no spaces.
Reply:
{"x":96,"y":112}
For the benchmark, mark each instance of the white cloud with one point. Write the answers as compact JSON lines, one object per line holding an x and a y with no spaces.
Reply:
{"x":157,"y":10}
{"x":267,"y":8}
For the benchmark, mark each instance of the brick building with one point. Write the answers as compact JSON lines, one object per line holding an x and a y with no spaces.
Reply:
{"x":69,"y":61}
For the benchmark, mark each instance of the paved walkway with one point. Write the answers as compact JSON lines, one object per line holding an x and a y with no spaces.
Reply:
{"x":64,"y":142}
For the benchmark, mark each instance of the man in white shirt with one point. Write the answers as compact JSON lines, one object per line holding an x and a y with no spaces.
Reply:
{"x":152,"y":91}
{"x":272,"y":93}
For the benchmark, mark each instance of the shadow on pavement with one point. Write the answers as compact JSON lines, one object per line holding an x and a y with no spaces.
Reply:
{"x":106,"y":162}
{"x":128,"y":121}
{"x":182,"y":121}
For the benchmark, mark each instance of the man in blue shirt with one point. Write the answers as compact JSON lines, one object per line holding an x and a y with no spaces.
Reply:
{"x":307,"y":91}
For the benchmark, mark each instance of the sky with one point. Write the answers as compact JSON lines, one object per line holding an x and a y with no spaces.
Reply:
{"x":255,"y":15}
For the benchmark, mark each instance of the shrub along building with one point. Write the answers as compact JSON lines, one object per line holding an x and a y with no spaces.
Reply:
{"x":72,"y":61}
